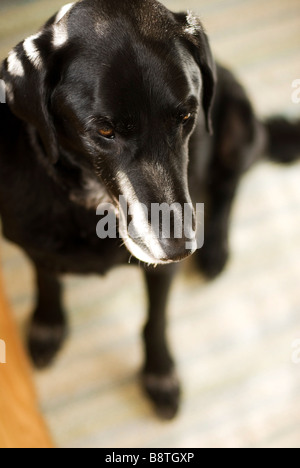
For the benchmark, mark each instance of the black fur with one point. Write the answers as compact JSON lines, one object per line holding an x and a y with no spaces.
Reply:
{"x":138,"y":70}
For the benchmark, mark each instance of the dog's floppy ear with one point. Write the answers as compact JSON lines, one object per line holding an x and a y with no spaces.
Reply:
{"x":27,"y":94}
{"x":193,"y":32}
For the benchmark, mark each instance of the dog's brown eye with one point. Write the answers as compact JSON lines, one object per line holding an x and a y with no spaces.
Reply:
{"x":186,"y":118}
{"x":107,"y":132}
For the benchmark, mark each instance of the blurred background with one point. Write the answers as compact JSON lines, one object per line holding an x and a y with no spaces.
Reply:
{"x":232,"y":338}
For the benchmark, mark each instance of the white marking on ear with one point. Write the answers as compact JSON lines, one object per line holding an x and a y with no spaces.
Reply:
{"x":15,"y":66}
{"x":60,"y":36}
{"x":193,"y":25}
{"x":32,"y":51}
{"x":63,"y":11}
{"x":60,"y":32}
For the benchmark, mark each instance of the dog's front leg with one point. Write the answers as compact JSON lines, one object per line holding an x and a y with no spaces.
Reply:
{"x":48,"y":325}
{"x":159,"y":376}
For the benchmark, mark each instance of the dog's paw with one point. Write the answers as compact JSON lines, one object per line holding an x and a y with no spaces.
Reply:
{"x":164,"y":392}
{"x":44,"y":342}
{"x":212,"y":259}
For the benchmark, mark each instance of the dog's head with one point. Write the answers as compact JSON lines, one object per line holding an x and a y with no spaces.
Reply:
{"x":120,"y":86}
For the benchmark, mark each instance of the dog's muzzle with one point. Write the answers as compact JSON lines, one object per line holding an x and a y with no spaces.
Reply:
{"x":163,"y":236}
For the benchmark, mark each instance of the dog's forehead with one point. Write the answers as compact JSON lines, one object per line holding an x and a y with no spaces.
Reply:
{"x":123,"y":61}
{"x":134,"y":76}
{"x":148,"y":16}
{"x":146,"y":73}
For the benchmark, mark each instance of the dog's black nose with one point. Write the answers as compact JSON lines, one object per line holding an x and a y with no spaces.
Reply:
{"x":176,"y":250}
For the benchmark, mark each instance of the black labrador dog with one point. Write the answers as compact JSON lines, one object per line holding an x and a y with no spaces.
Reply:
{"x":110,"y":99}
